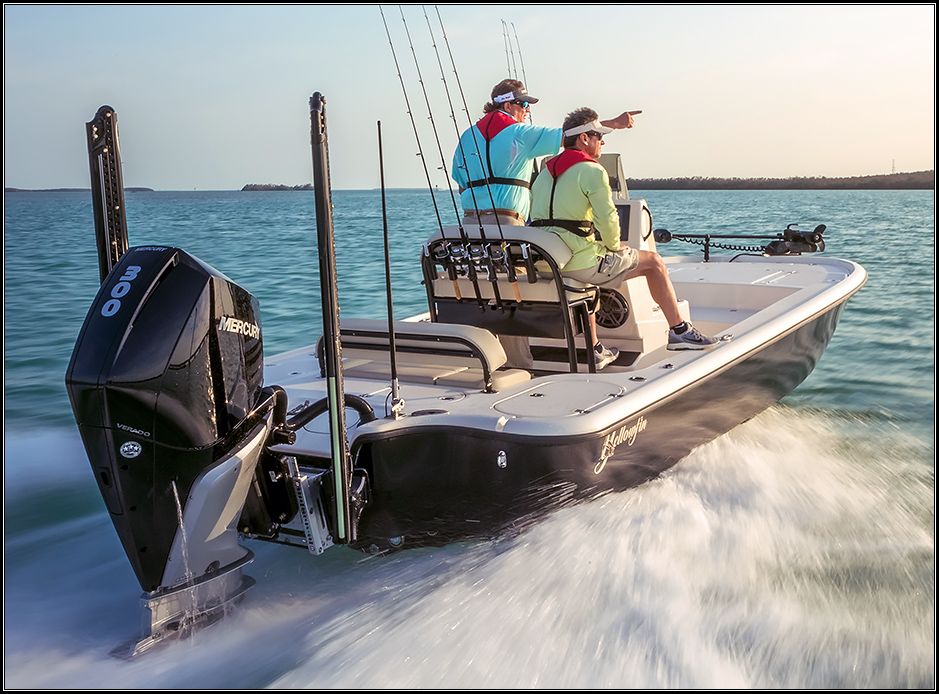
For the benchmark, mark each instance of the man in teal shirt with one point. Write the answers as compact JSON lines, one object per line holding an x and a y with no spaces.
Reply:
{"x":495,"y":158}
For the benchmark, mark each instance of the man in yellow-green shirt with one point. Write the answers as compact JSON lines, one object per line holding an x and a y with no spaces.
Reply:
{"x":571,"y":197}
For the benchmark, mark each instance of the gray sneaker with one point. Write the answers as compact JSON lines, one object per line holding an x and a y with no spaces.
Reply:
{"x":605,"y":357}
{"x":690,"y":339}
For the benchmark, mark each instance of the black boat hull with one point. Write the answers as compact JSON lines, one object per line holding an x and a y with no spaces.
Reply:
{"x":439,"y":484}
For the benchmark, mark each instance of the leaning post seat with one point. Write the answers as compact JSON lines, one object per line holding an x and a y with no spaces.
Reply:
{"x":464,"y":287}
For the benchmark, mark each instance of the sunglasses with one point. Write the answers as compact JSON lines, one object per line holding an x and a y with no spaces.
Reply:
{"x":523,"y":104}
{"x":597,"y":135}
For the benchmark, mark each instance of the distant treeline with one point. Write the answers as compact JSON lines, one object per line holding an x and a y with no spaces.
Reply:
{"x":921,"y":180}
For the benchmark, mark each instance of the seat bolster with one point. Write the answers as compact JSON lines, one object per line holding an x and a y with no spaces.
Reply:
{"x":483,"y":340}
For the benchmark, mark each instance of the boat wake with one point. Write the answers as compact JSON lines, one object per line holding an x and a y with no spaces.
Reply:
{"x":796,"y":551}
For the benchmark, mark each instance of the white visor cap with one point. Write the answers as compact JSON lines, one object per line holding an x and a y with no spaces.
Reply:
{"x":591,"y":127}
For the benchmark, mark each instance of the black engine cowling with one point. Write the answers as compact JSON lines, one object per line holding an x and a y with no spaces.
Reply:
{"x":163,"y":381}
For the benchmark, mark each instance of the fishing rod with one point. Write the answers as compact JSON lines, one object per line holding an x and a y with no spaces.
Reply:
{"x":510,"y":56}
{"x":474,"y":256}
{"x":521,"y":61}
{"x":397,"y":404}
{"x":430,"y":117}
{"x":483,"y":255}
{"x":521,"y":64}
{"x":455,"y":256}
{"x":471,"y":124}
{"x":507,"y":43}
{"x":504,"y":254}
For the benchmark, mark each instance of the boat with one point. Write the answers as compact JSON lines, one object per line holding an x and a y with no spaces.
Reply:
{"x":404,"y":432}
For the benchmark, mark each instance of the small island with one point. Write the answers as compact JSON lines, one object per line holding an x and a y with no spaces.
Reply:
{"x":271,"y":186}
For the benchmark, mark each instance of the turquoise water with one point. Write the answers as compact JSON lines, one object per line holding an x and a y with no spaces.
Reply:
{"x":798,"y":551}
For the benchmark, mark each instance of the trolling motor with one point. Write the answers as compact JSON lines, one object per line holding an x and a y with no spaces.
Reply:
{"x":790,"y":241}
{"x":795,"y":242}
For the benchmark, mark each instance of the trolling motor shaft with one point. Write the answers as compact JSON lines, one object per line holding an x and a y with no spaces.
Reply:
{"x":790,"y":241}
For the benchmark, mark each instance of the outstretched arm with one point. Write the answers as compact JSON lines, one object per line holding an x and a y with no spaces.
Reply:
{"x":623,"y":120}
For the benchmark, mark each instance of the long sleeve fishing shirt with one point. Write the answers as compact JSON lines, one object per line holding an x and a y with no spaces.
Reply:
{"x":582,"y":194}
{"x":510,"y":151}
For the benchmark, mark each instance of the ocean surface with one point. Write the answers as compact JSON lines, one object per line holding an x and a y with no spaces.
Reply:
{"x":797,"y":551}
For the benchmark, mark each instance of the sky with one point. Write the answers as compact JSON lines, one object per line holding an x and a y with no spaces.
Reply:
{"x":213,"y":97}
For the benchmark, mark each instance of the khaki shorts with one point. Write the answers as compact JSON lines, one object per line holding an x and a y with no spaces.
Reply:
{"x":610,"y":271}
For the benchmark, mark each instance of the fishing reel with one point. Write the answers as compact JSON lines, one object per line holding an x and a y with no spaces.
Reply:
{"x":458,"y":258}
{"x":497,"y":255}
{"x":451,"y":257}
{"x":477,"y":254}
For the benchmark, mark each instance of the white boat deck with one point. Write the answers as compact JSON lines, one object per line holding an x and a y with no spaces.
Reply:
{"x":749,"y":302}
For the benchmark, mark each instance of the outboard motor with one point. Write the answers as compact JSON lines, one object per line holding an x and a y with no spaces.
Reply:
{"x":165,"y":382}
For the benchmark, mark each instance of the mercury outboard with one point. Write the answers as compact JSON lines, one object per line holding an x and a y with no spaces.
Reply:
{"x":166,"y":385}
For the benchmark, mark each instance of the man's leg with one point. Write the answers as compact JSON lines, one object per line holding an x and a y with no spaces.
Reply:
{"x":681,"y":335}
{"x":652,"y":267}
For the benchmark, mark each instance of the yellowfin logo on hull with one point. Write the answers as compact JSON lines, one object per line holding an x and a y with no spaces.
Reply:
{"x":626,"y":434}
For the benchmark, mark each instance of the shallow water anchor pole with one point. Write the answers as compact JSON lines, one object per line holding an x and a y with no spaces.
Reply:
{"x":107,"y":189}
{"x":326,"y":245}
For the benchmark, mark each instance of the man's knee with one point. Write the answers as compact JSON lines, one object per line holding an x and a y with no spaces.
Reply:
{"x":650,"y":261}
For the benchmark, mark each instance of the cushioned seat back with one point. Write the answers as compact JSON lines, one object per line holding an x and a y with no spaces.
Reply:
{"x":428,"y":353}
